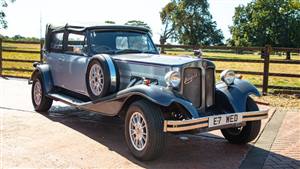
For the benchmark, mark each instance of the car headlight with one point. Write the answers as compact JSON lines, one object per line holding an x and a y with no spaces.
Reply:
{"x":228,"y":76}
{"x":172,"y":79}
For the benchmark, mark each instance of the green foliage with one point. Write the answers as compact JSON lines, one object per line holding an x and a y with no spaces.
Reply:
{"x":3,"y":22}
{"x":167,"y":16}
{"x":20,"y":38}
{"x":138,"y":23}
{"x":261,"y":22}
{"x":190,"y":22}
{"x":110,"y":22}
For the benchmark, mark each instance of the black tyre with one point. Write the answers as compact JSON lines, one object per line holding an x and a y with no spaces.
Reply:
{"x":97,"y":79}
{"x":144,"y":130}
{"x":247,"y":133}
{"x":40,"y":101}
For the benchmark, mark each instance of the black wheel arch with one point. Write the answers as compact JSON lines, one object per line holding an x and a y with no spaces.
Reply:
{"x":44,"y":71}
{"x":165,"y":108}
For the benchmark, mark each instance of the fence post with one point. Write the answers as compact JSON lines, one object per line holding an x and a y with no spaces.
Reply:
{"x":288,"y":55}
{"x":0,"y":56}
{"x":41,"y":50}
{"x":267,"y":52}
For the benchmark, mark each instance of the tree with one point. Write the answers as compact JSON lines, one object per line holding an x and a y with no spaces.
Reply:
{"x":167,"y":18}
{"x":110,"y":22}
{"x":192,"y":22}
{"x":3,"y":22}
{"x":261,"y":22}
{"x":138,"y":23}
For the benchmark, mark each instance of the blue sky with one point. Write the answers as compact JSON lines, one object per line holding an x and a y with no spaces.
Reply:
{"x":25,"y":16}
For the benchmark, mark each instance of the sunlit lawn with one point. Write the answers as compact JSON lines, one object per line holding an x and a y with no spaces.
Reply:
{"x":253,"y":67}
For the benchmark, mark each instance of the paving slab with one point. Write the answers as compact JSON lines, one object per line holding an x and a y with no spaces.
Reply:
{"x":67,"y":138}
{"x":285,"y":150}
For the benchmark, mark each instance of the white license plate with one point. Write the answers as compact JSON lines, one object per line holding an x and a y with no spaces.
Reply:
{"x":224,"y":119}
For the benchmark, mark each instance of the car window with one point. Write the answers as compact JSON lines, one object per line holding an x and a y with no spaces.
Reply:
{"x":116,"y":42}
{"x":76,"y":43}
{"x":57,"y":41}
{"x":122,"y":42}
{"x":136,"y":42}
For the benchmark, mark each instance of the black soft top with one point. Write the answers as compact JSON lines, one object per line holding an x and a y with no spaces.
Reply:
{"x":100,"y":27}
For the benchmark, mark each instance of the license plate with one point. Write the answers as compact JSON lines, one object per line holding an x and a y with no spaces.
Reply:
{"x":224,"y":119}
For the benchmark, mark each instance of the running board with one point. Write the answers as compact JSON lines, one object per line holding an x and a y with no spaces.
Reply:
{"x":66,"y":99}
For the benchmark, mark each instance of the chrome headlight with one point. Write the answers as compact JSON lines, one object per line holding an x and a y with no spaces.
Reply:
{"x":172,"y":79}
{"x":228,"y":76}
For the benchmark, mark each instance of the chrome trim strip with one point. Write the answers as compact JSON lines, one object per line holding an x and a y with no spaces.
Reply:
{"x":184,"y":125}
{"x":113,"y":72}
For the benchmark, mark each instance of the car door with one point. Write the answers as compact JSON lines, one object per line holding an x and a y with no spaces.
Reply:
{"x":54,"y":58}
{"x":75,"y":63}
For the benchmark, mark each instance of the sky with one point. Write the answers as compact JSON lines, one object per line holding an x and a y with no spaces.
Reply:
{"x":29,"y":17}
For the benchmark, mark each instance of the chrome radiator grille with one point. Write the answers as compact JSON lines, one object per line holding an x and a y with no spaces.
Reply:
{"x":192,"y":86}
{"x":209,"y":86}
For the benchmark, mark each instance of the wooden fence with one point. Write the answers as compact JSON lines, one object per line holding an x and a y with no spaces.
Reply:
{"x":265,"y":52}
{"x":265,"y":60}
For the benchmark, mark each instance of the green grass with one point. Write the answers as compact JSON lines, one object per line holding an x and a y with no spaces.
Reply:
{"x":255,"y":67}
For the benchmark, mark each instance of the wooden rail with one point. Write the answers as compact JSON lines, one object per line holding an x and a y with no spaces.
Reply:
{"x":265,"y":55}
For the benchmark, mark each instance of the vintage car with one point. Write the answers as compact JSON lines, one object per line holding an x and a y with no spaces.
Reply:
{"x":118,"y":71}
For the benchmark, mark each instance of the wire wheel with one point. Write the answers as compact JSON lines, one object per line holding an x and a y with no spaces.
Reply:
{"x":37,"y":92}
{"x":138,"y":131}
{"x":96,"y":79}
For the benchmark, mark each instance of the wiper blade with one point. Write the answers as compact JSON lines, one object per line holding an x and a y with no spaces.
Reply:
{"x":128,"y":51}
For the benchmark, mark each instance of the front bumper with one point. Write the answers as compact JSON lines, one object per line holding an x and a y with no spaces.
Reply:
{"x":203,"y":122}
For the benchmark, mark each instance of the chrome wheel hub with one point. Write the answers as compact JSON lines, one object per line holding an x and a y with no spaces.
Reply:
{"x":37,"y":92}
{"x":96,"y":79}
{"x":138,"y":131}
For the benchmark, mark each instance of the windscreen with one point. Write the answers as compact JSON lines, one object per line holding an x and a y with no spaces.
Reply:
{"x":117,"y":42}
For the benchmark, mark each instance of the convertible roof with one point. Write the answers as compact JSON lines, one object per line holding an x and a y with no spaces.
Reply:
{"x":104,"y":27}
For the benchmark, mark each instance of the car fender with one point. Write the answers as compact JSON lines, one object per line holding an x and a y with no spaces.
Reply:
{"x":236,"y":94}
{"x":156,"y":94}
{"x":44,"y":70}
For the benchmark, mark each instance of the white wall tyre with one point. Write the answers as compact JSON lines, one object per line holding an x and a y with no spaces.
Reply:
{"x":40,"y":101}
{"x":144,"y":130}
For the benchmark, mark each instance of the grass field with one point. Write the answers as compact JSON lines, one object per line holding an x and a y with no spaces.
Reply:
{"x":286,"y":101}
{"x":255,"y":67}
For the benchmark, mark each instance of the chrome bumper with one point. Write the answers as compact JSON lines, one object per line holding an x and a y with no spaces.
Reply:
{"x":202,"y":123}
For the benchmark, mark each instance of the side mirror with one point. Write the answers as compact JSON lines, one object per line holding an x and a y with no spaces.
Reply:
{"x":198,"y":53}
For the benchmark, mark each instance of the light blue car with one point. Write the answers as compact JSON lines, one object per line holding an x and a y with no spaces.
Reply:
{"x":118,"y":71}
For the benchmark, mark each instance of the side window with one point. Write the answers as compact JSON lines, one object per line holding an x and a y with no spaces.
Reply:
{"x":76,"y":43}
{"x":57,"y":41}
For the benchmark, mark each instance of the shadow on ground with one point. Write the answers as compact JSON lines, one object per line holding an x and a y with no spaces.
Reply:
{"x":200,"y":151}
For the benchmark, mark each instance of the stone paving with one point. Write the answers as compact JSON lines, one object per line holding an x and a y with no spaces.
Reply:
{"x":80,"y":139}
{"x":285,"y":150}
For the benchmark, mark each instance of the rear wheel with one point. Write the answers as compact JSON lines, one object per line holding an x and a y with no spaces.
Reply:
{"x":40,"y":101}
{"x":247,"y":133}
{"x":144,"y":130}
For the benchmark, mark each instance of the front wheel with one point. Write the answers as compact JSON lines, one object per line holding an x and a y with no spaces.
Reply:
{"x":144,"y":130}
{"x":247,"y":133}
{"x":40,"y":101}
